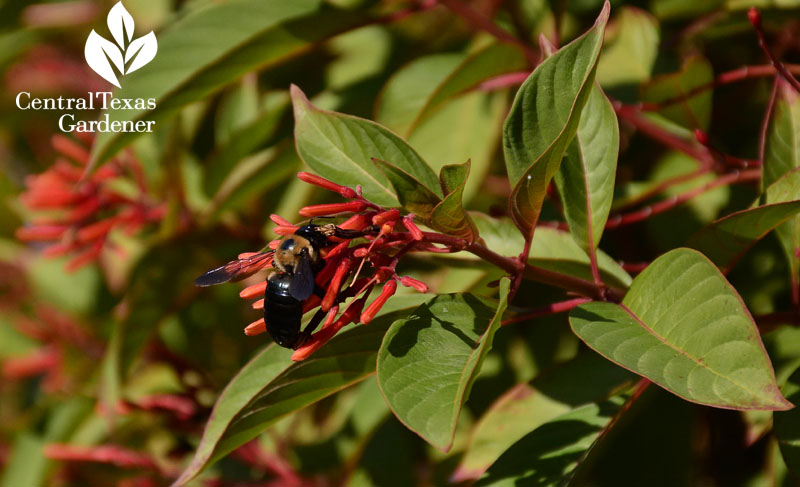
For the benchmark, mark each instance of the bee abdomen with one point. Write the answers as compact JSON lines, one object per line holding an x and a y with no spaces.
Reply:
{"x":282,"y":312}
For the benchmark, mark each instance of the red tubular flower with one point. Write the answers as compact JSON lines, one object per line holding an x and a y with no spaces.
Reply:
{"x":251,"y":292}
{"x":387,"y":292}
{"x":41,"y":233}
{"x":285,"y":229}
{"x":329,"y":185}
{"x":386,"y":216}
{"x":82,"y":211}
{"x":336,"y":282}
{"x":256,"y":328}
{"x":358,"y":221}
{"x":411,"y":282}
{"x":413,"y":229}
{"x":333,"y":209}
{"x":280,"y":221}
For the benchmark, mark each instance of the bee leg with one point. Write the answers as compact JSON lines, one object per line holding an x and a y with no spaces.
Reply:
{"x":350,"y":234}
{"x":312,"y":325}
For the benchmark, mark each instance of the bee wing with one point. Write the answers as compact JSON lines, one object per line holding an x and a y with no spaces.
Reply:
{"x":302,"y":284}
{"x":235,"y":270}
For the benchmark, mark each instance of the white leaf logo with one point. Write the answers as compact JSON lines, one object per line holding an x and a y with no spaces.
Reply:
{"x":111,"y":60}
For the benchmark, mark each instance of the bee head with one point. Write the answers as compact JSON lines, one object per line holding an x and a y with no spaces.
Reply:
{"x":292,"y":248}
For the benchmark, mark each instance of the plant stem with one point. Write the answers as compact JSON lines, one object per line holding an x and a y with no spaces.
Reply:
{"x":516,"y":268}
{"x":634,"y":116}
{"x":662,"y":206}
{"x":479,"y":21}
{"x":755,"y":19}
{"x":550,"y":309}
{"x":740,"y":74}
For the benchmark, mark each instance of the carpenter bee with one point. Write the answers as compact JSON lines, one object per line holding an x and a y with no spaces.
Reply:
{"x":296,"y":262}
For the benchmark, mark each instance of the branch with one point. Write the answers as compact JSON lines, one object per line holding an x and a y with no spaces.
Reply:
{"x":479,"y":21}
{"x":741,"y":74}
{"x":755,"y":19}
{"x":635,"y":117}
{"x":550,"y":309}
{"x":662,"y":206}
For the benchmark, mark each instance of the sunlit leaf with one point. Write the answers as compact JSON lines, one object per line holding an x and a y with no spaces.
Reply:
{"x":586,"y":177}
{"x":544,"y":119}
{"x":341,"y":148}
{"x":684,"y":327}
{"x":429,"y":360}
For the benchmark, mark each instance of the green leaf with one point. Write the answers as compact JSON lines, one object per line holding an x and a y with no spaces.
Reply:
{"x":271,"y":386}
{"x":727,"y":239}
{"x":781,"y":155}
{"x":413,"y":195}
{"x":550,"y":454}
{"x":587,"y":378}
{"x":429,"y":360}
{"x":544,"y":119}
{"x":417,"y":90}
{"x":787,"y":424}
{"x":631,"y":48}
{"x":586,"y":177}
{"x":684,"y":327}
{"x":781,"y":148}
{"x":212,"y":46}
{"x":694,"y":112}
{"x":449,"y":216}
{"x":340,"y":147}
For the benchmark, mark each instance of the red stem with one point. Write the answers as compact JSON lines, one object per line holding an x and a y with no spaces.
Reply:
{"x":740,"y":74}
{"x":755,"y":19}
{"x":550,"y":309}
{"x":479,"y":21}
{"x":634,"y":116}
{"x":662,"y":206}
{"x":513,"y":266}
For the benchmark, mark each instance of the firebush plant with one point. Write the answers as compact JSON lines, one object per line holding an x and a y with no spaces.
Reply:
{"x":582,"y":263}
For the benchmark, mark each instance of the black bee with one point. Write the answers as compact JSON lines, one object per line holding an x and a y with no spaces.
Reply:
{"x":296,"y":262}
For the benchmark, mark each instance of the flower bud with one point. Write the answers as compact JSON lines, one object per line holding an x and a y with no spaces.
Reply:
{"x":333,"y":209}
{"x":411,"y":282}
{"x":329,"y":185}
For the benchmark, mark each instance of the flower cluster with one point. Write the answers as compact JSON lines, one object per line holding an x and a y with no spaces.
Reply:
{"x":352,"y":269}
{"x":75,"y":211}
